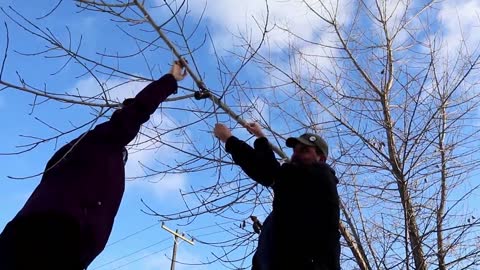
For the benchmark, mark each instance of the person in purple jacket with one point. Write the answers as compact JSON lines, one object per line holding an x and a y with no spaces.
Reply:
{"x":68,"y":218}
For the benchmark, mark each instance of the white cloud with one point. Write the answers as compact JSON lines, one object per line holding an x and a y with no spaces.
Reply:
{"x":147,"y":151}
{"x":259,"y":111}
{"x":397,"y":14}
{"x":288,"y":20}
{"x":248,"y":16}
{"x":115,"y":89}
{"x":461,"y":21}
{"x":455,"y":41}
{"x":170,"y":184}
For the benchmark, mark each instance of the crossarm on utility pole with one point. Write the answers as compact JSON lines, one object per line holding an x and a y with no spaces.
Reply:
{"x":176,"y":236}
{"x":175,"y":233}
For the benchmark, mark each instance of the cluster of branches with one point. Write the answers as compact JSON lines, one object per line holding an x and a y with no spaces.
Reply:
{"x":398,"y":109}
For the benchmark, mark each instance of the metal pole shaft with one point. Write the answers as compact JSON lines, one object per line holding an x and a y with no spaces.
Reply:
{"x":174,"y":254}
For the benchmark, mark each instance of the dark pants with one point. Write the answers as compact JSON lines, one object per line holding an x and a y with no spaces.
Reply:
{"x":268,"y":257}
{"x":41,"y":242}
{"x":263,"y":257}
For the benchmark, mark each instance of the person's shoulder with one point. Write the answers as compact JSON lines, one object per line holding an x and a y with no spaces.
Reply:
{"x":315,"y":168}
{"x":326,"y":169}
{"x":325,"y":166}
{"x":261,"y":143}
{"x":322,"y":166}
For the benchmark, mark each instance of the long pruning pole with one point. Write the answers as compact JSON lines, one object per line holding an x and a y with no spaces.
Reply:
{"x":204,"y":92}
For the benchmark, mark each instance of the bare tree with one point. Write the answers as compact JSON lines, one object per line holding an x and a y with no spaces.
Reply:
{"x":401,"y":109}
{"x":394,"y":97}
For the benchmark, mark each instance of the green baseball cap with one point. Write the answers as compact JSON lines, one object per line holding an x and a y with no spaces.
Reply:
{"x":309,"y":139}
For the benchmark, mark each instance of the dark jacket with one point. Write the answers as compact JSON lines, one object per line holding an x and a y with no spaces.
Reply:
{"x":85,"y":179}
{"x":306,"y":212}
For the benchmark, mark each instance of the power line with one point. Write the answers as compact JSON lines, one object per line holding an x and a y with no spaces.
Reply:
{"x":149,"y":246}
{"x":157,"y":223}
{"x":157,"y":243}
{"x":130,"y":235}
{"x":141,"y":258}
{"x":210,"y":226}
{"x":148,"y":255}
{"x":133,"y":253}
{"x":210,"y":233}
{"x":163,"y":240}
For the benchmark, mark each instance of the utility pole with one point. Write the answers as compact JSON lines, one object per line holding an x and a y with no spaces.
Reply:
{"x":176,"y":237}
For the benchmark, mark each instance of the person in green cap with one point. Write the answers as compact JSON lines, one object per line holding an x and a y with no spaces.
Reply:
{"x":305,"y":200}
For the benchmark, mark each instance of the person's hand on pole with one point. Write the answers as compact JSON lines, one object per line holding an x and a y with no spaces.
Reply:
{"x":255,"y":129}
{"x":178,"y":70}
{"x":222,"y":132}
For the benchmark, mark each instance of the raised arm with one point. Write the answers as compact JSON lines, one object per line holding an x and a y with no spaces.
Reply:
{"x":259,"y":163}
{"x":125,"y":123}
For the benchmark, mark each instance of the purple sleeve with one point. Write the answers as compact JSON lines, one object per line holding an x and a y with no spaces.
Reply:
{"x":125,"y":123}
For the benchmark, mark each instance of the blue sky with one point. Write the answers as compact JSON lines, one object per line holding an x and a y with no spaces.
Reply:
{"x":149,"y":243}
